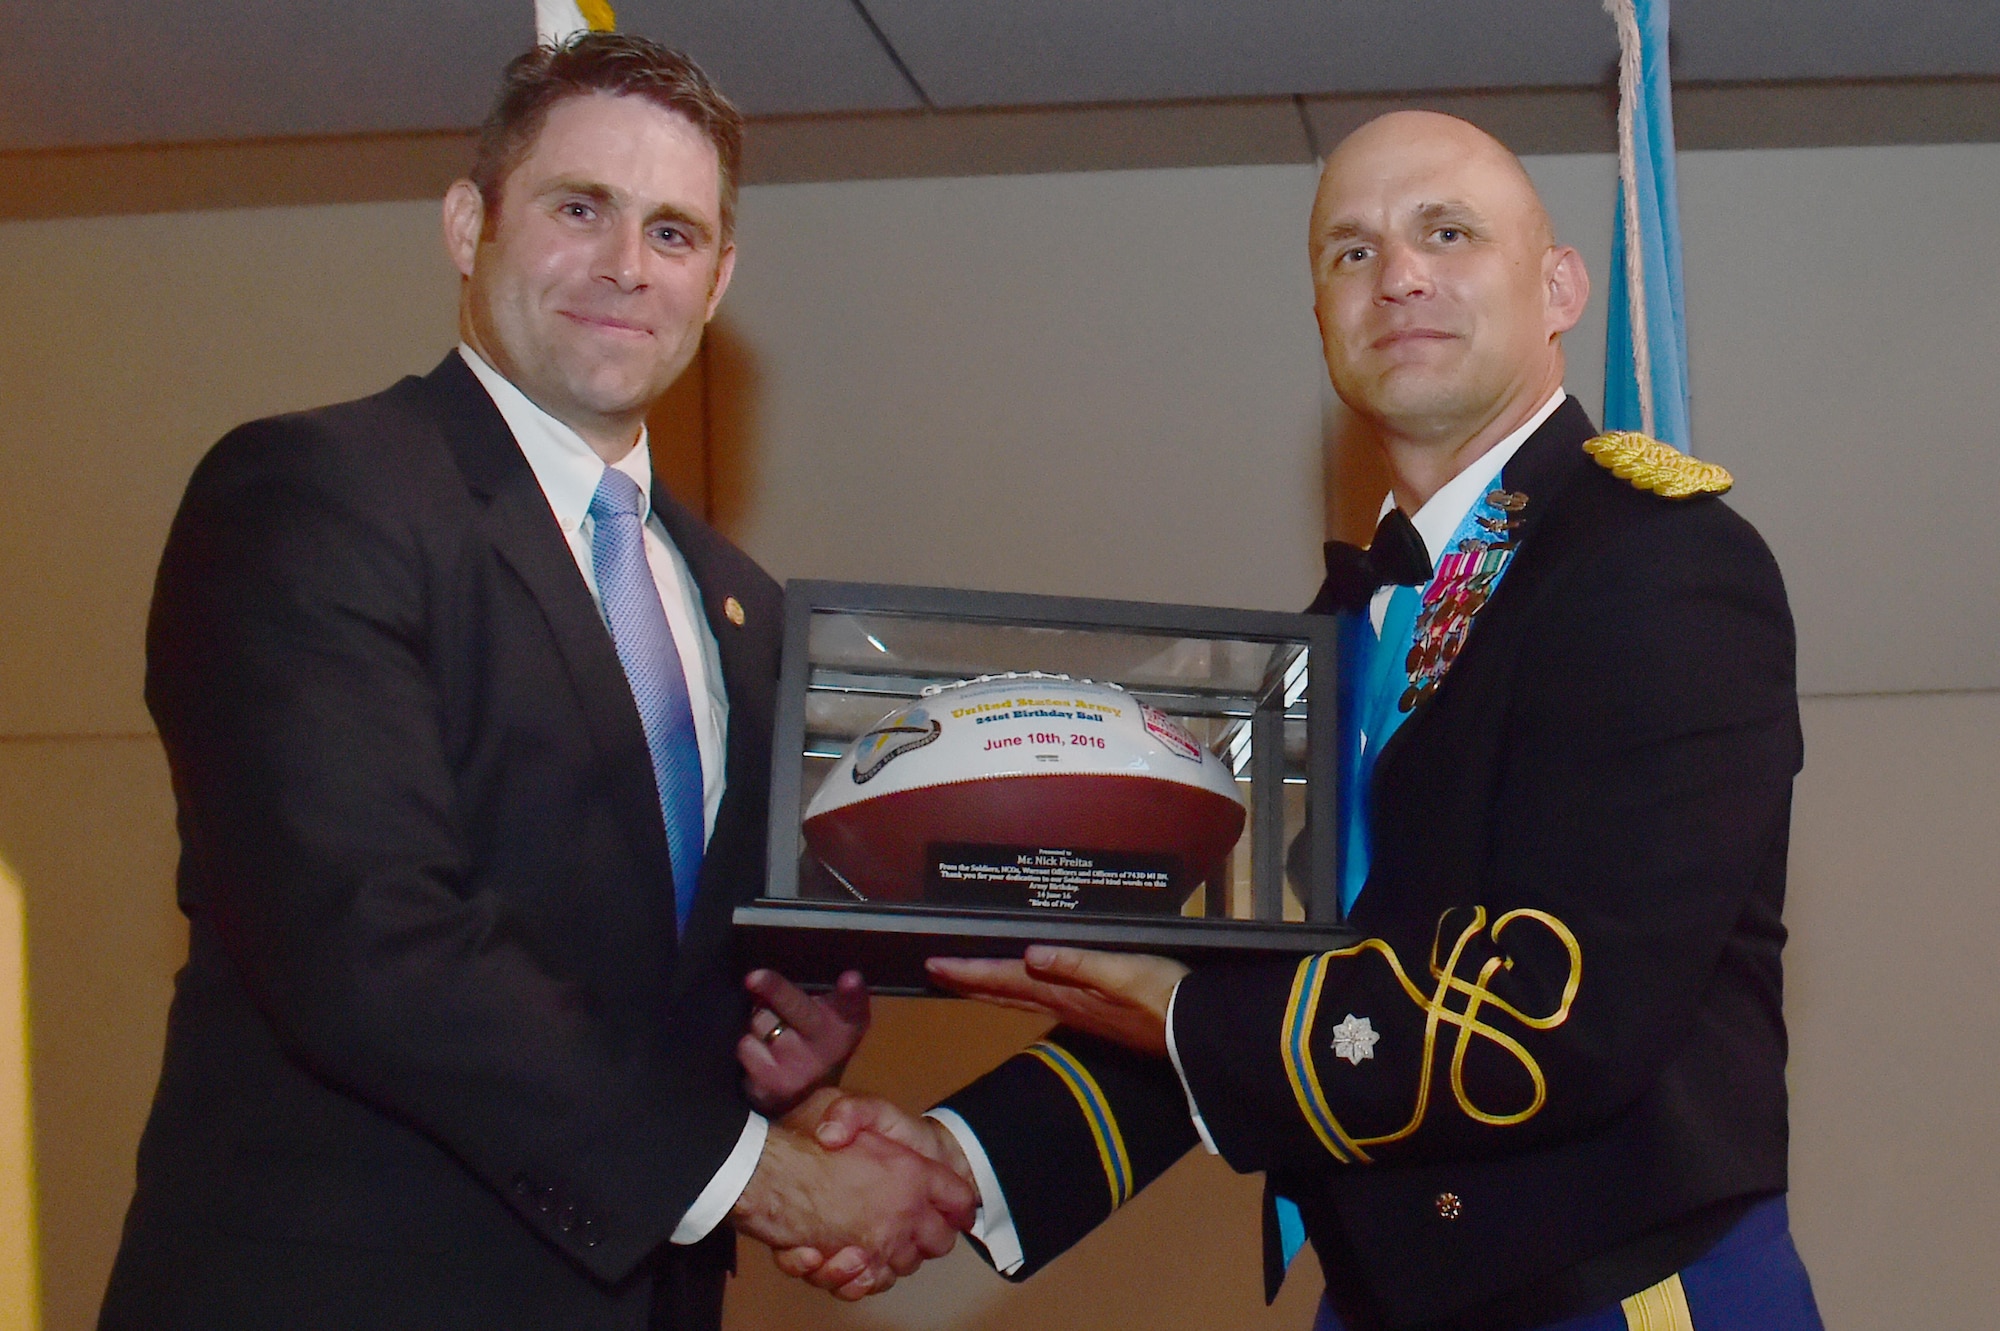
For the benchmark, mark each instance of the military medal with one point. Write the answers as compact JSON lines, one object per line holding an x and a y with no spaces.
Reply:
{"x":1463,"y":585}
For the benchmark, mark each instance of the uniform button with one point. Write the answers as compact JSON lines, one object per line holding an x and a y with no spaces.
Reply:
{"x":1449,"y":1207}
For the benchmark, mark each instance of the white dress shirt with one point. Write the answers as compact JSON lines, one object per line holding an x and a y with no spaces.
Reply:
{"x":1435,"y":522}
{"x":1443,"y":511}
{"x":568,"y":471}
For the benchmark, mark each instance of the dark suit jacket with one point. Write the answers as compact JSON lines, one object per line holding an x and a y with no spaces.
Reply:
{"x":437,"y":1058}
{"x":1573,"y":959}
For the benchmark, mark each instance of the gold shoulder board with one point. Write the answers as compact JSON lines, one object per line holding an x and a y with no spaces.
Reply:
{"x":1651,"y":465}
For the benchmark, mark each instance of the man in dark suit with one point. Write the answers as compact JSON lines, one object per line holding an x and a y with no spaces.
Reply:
{"x":1546,"y":1087}
{"x":469,"y":728}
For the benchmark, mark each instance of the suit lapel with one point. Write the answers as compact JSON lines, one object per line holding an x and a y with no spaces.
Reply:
{"x":523,"y":532}
{"x":1540,"y":469}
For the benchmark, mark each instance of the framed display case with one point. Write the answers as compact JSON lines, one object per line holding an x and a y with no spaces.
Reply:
{"x":961,"y":773}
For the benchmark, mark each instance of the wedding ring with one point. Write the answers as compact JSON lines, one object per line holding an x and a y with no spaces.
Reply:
{"x":771,"y":1036}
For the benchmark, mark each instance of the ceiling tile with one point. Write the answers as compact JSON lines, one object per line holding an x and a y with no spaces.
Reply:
{"x":1000,"y":52}
{"x":97,"y":72}
{"x":139,"y":71}
{"x":779,"y":57}
{"x":1834,"y":39}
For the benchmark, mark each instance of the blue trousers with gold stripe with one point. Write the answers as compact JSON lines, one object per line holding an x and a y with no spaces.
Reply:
{"x":1751,"y":1280}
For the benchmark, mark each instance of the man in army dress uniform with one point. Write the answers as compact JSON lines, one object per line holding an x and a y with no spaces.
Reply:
{"x":1547,"y":1088}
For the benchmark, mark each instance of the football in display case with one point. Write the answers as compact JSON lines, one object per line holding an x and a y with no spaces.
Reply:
{"x":1074,"y":791}
{"x":963,"y":773}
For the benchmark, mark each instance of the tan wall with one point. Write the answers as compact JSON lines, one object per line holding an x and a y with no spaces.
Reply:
{"x":1107,"y":384}
{"x":1894,"y":908}
{"x":129,"y":345}
{"x":88,"y":826}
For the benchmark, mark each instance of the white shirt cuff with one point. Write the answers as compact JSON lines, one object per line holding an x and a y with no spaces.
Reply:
{"x":993,"y":1224}
{"x":727,"y":1185}
{"x":1174,"y":1054}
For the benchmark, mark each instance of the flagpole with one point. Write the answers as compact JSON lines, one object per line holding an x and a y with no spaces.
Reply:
{"x":1646,"y":369}
{"x":1628,"y":187}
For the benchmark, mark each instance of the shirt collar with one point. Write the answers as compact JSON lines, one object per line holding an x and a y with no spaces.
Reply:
{"x":1440,"y":516}
{"x":567,"y":468}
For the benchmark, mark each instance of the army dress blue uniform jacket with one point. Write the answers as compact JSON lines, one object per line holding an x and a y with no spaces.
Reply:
{"x":1571,"y":957}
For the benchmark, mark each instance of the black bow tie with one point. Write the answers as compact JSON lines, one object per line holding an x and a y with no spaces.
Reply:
{"x":1395,"y":557}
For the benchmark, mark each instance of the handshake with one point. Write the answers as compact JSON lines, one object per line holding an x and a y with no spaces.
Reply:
{"x":851,"y":1192}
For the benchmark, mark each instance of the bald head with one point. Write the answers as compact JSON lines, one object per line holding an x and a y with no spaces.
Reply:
{"x":1425,"y":141}
{"x":1441,"y":292}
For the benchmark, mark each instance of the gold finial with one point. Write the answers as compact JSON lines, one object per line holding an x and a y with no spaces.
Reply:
{"x":1651,"y":465}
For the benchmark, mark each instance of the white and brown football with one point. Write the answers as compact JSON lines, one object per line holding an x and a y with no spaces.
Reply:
{"x":1040,"y":768}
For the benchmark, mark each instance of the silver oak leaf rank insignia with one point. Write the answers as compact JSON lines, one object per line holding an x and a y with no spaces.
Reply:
{"x":1354,"y":1039}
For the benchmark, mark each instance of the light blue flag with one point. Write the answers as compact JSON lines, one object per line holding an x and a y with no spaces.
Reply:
{"x":1645,"y":357}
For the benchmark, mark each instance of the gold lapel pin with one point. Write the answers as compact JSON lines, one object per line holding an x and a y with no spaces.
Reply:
{"x":732,"y":609}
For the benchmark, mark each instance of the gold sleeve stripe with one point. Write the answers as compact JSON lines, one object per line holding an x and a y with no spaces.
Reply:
{"x":1470,"y":1023}
{"x":1664,"y":1307}
{"x":1299,"y":1070}
{"x":1097,"y":1115}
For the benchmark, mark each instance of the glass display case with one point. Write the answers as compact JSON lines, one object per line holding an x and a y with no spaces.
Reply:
{"x":963,"y":773}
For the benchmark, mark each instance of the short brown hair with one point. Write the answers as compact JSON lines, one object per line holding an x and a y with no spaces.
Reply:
{"x":602,"y":62}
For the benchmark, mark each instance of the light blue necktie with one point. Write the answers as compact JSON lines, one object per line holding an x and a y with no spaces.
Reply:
{"x":646,"y":649}
{"x":1378,"y":677}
